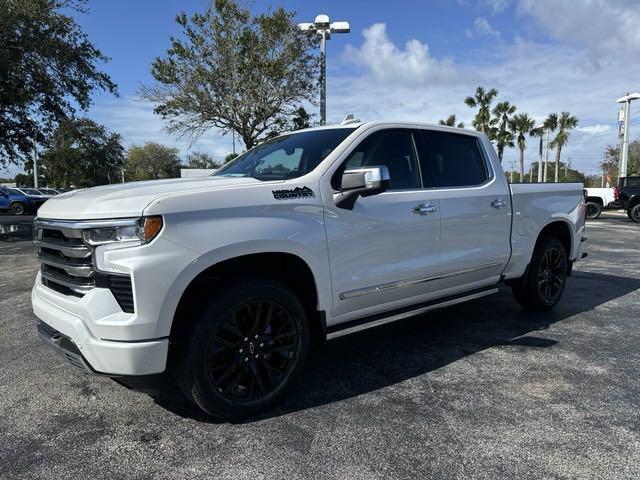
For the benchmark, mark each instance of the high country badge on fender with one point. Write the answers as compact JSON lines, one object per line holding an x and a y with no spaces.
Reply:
{"x":298,"y":192}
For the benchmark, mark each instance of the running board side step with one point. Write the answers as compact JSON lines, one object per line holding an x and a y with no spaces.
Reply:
{"x":335,"y":331}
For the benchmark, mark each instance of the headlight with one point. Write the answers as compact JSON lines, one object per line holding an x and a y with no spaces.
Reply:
{"x":127,"y":232}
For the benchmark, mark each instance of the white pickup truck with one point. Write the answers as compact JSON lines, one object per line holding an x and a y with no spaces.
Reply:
{"x":229,"y":281}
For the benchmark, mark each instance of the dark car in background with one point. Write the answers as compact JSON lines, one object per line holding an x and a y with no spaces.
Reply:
{"x":627,"y":192}
{"x":18,"y":203}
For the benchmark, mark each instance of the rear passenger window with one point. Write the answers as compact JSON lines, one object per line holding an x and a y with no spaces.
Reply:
{"x":450,"y":160}
{"x":393,"y":148}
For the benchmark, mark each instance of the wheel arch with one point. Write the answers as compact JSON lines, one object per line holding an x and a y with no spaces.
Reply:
{"x":562,"y":230}
{"x":286,"y":267}
{"x":597,"y":200}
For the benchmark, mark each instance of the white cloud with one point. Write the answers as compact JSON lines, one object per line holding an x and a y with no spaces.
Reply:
{"x":537,"y":78}
{"x":496,"y":6}
{"x":481,"y":27}
{"x":386,"y":61}
{"x":605,"y":27}
{"x":594,"y":129}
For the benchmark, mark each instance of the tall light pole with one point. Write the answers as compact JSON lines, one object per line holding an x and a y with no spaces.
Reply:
{"x":624,"y":153}
{"x":321,"y":26}
{"x":34,"y":154}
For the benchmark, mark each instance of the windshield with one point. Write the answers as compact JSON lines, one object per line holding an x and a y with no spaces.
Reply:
{"x":288,"y":156}
{"x":31,"y":191}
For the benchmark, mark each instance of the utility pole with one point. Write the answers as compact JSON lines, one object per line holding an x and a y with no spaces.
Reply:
{"x":324,"y":28}
{"x":624,"y":152}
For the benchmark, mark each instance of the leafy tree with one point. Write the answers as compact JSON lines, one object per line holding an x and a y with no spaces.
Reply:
{"x":566,"y":123}
{"x":234,"y":71}
{"x":301,"y":119}
{"x":23,"y":180}
{"x":450,"y":121}
{"x":152,"y":161}
{"x":482,"y":99}
{"x":47,"y":68}
{"x":612,"y":158}
{"x":230,"y":157}
{"x":522,"y":126}
{"x":81,"y":153}
{"x":201,"y":160}
{"x":500,"y":123}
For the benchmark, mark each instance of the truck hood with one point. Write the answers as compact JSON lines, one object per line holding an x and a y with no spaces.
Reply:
{"x":128,"y":199}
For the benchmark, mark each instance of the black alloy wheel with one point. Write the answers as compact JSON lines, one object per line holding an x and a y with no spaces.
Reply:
{"x":541,"y":287}
{"x":252,"y":350}
{"x":551,"y":275}
{"x":245,"y":346}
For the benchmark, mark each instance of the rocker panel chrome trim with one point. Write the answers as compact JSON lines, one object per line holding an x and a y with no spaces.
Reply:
{"x":407,"y":283}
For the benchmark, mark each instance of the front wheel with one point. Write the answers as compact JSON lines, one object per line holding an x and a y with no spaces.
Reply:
{"x":248,"y":345}
{"x":634,"y":213}
{"x":593,"y":210}
{"x":17,"y":208}
{"x":542,"y":285}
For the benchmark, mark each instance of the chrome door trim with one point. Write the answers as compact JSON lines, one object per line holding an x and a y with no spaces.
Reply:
{"x":411,"y":313}
{"x":407,"y":283}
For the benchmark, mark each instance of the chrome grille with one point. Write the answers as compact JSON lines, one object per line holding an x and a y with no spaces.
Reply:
{"x":66,"y":261}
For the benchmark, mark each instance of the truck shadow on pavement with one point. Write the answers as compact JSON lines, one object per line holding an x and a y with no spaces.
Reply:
{"x":373,"y":359}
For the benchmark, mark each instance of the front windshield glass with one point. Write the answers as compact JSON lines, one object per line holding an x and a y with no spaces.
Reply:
{"x":288,"y":156}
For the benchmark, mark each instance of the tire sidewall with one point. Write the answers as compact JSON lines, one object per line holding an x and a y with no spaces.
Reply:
{"x":545,"y":244}
{"x":18,"y":205}
{"x":634,"y":213}
{"x":193,"y":376}
{"x":597,"y":211}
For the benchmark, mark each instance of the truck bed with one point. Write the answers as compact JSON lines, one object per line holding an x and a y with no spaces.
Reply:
{"x":535,"y":205}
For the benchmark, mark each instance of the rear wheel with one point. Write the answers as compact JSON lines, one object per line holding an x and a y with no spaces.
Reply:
{"x":634,"y":213}
{"x":593,"y":210}
{"x":17,"y":208}
{"x":247,"y":347}
{"x":543,"y":284}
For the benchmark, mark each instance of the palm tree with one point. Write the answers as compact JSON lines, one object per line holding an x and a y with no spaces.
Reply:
{"x":566,"y":122}
{"x":482,"y":100}
{"x":451,"y":122}
{"x":500,"y":122}
{"x":549,"y":125}
{"x":522,"y":125}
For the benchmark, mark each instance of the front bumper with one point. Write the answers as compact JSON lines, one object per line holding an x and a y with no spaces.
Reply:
{"x":67,"y":333}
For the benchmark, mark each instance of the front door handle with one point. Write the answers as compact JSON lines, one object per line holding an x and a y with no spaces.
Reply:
{"x":498,"y":203}
{"x":424,"y":209}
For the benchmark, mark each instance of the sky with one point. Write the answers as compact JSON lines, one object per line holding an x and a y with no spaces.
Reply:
{"x":410,"y":60}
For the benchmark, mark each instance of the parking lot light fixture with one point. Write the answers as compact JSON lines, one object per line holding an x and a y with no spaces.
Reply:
{"x":323,"y":27}
{"x":624,"y":151}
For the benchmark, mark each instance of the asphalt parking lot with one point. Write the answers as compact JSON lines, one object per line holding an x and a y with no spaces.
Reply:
{"x":482,"y":390}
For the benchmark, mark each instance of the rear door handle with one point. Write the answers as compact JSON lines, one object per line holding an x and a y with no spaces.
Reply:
{"x":498,"y":203}
{"x":424,"y":209}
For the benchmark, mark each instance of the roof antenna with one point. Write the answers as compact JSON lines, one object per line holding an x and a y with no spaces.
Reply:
{"x":350,"y":118}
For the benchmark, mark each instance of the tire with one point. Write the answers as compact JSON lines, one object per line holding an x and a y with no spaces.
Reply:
{"x":247,"y":346}
{"x":17,"y":208}
{"x":542,"y":285}
{"x":629,"y":213}
{"x":634,"y":213}
{"x":593,"y":210}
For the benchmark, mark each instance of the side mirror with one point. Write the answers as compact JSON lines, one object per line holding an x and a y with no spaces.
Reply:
{"x":364,"y":181}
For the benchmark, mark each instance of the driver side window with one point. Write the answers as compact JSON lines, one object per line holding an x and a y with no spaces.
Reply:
{"x":393,"y":148}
